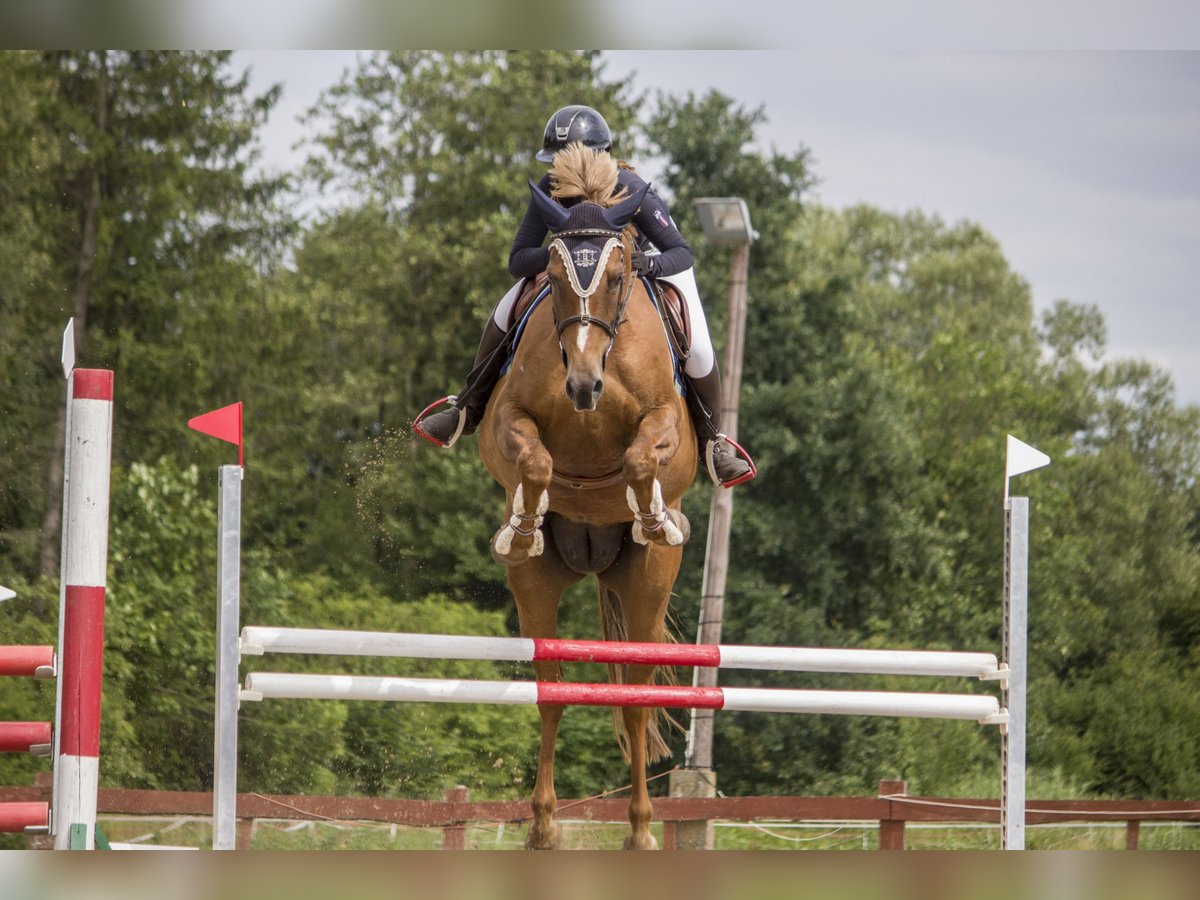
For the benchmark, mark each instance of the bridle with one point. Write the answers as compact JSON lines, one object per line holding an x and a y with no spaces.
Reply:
{"x":584,"y":319}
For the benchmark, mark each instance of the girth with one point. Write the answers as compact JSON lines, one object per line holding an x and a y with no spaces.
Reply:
{"x":587,"y":482}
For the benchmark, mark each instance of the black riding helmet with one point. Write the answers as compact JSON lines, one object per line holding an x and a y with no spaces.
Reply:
{"x":574,"y":123}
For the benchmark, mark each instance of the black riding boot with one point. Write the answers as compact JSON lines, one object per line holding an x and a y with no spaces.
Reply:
{"x":466,"y":410}
{"x":718,"y":457}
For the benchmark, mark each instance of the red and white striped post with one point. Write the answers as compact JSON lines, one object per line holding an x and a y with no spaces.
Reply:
{"x":81,"y":607}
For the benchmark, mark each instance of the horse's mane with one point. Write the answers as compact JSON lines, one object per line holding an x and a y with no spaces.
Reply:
{"x":581,"y":173}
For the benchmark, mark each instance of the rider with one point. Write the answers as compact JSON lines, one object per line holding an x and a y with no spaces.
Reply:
{"x":662,"y":253}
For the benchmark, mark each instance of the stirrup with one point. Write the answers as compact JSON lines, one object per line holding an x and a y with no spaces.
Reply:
{"x":462,"y":421}
{"x":712,"y":471}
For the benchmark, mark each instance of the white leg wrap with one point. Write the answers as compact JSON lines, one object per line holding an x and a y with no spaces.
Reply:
{"x":658,"y":509}
{"x":505,"y":538}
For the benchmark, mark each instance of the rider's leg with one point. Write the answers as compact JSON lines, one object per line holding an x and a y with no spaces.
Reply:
{"x":725,"y":466}
{"x":467,"y":408}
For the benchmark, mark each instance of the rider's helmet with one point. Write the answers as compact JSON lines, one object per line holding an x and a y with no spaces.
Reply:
{"x":574,"y":123}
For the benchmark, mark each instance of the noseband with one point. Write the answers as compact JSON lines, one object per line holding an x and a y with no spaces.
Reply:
{"x":584,"y":319}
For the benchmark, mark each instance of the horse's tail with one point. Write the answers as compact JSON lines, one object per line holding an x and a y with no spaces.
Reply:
{"x":612,"y":621}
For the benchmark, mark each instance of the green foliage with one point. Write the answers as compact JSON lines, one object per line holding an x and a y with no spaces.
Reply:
{"x":133,"y":210}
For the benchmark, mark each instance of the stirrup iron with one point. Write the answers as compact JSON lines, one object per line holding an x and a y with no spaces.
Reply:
{"x":709,"y":465}
{"x":462,"y":421}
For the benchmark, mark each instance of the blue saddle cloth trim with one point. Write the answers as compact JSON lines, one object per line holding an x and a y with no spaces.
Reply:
{"x":676,"y":362}
{"x":519,"y":330}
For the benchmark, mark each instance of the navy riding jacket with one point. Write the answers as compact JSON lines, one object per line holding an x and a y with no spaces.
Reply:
{"x":653,"y":221}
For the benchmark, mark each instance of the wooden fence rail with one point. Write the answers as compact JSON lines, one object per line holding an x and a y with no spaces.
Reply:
{"x":892,"y":810}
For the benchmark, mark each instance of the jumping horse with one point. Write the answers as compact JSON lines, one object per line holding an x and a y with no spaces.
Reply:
{"x":594,"y":448}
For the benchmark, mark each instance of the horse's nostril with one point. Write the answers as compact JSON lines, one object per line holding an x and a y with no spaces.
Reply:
{"x":598,"y":388}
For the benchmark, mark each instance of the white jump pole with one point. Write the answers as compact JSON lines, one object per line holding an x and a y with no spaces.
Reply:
{"x":88,"y":461}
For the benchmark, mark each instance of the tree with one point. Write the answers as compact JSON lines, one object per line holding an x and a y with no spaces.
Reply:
{"x":142,"y":222}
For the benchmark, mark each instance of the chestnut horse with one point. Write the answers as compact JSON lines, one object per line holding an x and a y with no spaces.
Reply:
{"x":594,"y":448}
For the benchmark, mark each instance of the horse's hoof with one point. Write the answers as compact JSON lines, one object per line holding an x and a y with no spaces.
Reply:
{"x":514,"y":558}
{"x":682,"y":523}
{"x":544,"y":838}
{"x":646,"y":842}
{"x":504,"y":552}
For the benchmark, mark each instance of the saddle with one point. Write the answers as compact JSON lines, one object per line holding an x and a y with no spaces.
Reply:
{"x":529,"y":293}
{"x":671,"y":308}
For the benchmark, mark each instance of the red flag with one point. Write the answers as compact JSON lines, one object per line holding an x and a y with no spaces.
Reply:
{"x":224,"y":424}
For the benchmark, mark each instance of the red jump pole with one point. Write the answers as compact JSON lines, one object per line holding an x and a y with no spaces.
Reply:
{"x":25,"y":737}
{"x":16,"y":818}
{"x":81,"y":608}
{"x":27,"y":661}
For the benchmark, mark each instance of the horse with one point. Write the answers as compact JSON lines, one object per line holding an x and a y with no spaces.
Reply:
{"x":594,"y":447}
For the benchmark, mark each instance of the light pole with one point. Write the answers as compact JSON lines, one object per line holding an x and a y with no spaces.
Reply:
{"x":726,"y":222}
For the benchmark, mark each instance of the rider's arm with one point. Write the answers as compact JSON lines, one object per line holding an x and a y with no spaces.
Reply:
{"x":528,"y":257}
{"x":654,"y":221}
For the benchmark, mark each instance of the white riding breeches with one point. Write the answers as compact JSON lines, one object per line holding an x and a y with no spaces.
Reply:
{"x":503,"y":310}
{"x":702,"y":358}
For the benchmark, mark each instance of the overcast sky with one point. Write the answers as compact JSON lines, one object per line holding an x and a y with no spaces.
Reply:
{"x":1084,"y":165}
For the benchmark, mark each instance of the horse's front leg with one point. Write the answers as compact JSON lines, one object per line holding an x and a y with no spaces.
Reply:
{"x":521,"y":537}
{"x":654,"y":522}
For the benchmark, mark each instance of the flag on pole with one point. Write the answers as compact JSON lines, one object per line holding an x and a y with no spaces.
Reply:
{"x":225,"y":424}
{"x":1019,"y":458}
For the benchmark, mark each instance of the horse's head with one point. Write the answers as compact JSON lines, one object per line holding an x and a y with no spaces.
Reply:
{"x":591,"y":279}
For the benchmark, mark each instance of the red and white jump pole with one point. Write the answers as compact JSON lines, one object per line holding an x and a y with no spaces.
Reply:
{"x":982,"y":708}
{"x":256,"y":640}
{"x":81,"y":606}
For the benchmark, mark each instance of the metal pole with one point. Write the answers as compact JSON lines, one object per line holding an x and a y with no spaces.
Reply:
{"x":229,"y":550}
{"x":1016,"y":619}
{"x":716,"y":556}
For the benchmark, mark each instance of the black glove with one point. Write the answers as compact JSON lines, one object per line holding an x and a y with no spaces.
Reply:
{"x":643,"y":264}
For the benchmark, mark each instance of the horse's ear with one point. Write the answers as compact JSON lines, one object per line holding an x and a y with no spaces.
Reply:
{"x":620,"y":215}
{"x":551,"y":212}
